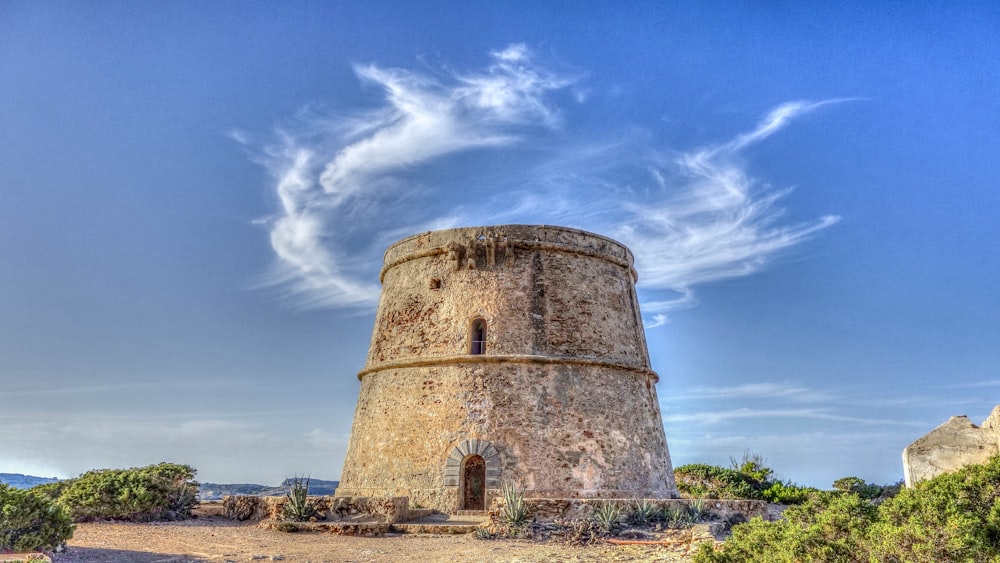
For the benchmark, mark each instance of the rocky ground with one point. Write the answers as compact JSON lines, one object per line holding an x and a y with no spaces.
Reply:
{"x":218,"y":539}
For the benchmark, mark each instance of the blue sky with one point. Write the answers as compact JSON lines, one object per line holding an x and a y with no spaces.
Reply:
{"x":196,"y":198}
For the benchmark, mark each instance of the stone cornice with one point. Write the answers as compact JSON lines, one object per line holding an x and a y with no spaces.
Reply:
{"x":523,"y":237}
{"x":465,"y":359}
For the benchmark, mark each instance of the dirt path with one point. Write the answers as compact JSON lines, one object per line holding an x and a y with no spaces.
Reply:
{"x":220,"y":540}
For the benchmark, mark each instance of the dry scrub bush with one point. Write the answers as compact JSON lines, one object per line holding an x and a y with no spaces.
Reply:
{"x":31,"y":522}
{"x":950,"y":518}
{"x":166,"y":491}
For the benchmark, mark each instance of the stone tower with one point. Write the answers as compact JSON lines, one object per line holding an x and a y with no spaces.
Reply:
{"x":513,"y":353}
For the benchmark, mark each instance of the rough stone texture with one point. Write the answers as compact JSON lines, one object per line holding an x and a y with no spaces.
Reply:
{"x":563,"y":401}
{"x":244,"y":507}
{"x":389,"y":510}
{"x":951,"y":446}
{"x":23,"y":557}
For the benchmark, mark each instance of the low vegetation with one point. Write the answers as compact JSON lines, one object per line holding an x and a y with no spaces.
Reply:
{"x":513,"y":512}
{"x":607,"y":519}
{"x":166,"y":491}
{"x":30,"y":521}
{"x":297,"y":507}
{"x":951,"y":518}
{"x":748,"y":478}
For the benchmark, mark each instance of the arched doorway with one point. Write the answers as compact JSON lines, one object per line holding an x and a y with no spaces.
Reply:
{"x":474,"y":483}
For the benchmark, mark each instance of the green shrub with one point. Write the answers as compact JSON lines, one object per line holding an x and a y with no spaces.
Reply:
{"x":748,"y":478}
{"x":163,"y":491}
{"x":699,"y":480}
{"x":824,"y":528}
{"x":951,"y":518}
{"x":30,"y":521}
{"x":754,"y":466}
{"x":858,"y":486}
{"x":788,"y":493}
{"x":889,"y":491}
{"x":52,"y":490}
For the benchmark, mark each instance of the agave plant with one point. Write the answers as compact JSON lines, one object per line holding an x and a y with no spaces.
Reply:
{"x":644,"y":512}
{"x":607,"y":516}
{"x":697,"y":510}
{"x":297,"y":507}
{"x":515,"y":511}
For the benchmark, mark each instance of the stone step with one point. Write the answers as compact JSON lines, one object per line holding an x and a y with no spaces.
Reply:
{"x":463,"y":522}
{"x":456,"y":527}
{"x":415,"y":513}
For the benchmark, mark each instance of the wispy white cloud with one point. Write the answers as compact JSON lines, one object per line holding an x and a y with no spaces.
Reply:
{"x":343,"y":178}
{"x":782,"y":391}
{"x":709,"y":219}
{"x":658,"y":319}
{"x":716,"y":417}
{"x":345,"y":181}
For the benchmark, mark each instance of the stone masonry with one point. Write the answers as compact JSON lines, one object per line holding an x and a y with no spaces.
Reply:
{"x":508,"y":353}
{"x":951,"y":446}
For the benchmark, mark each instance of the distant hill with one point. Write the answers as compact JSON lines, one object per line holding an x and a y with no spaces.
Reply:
{"x":215,"y":491}
{"x":207,"y":491}
{"x":19,"y":481}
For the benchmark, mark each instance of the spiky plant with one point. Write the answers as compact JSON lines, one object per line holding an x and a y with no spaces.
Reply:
{"x":643,"y":512}
{"x":514,"y":512}
{"x":297,"y":506}
{"x":483,"y":533}
{"x":607,"y":516}
{"x":674,"y":517}
{"x":697,"y":510}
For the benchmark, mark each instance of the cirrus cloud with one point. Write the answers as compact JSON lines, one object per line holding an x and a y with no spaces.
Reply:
{"x":495,"y":146}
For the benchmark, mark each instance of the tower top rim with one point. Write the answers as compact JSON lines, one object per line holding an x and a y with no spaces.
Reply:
{"x":514,"y":232}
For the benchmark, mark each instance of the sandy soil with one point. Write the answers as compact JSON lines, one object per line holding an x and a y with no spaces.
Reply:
{"x":218,"y":539}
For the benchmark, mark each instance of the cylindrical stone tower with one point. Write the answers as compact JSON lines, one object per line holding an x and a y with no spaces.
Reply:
{"x":513,"y":353}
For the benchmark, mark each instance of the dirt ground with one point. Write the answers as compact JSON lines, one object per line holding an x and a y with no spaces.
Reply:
{"x":221,"y":540}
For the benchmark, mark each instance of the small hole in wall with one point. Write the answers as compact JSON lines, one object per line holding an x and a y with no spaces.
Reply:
{"x":435,"y":283}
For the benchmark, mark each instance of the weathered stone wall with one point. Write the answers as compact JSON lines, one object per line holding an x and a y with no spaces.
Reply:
{"x":951,"y":446}
{"x":254,"y":508}
{"x":560,"y":293}
{"x":564,"y":392}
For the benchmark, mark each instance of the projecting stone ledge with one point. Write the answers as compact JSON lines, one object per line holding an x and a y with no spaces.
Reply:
{"x":951,"y":446}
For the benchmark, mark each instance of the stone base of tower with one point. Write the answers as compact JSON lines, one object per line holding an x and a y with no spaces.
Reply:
{"x":448,"y":435}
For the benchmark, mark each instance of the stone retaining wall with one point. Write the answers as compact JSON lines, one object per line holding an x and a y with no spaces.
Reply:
{"x":389,"y":510}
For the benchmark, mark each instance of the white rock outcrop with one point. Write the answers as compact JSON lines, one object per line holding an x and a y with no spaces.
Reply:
{"x":951,"y":446}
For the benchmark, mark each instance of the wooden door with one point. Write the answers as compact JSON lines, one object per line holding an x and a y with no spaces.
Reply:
{"x":474,"y":483}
